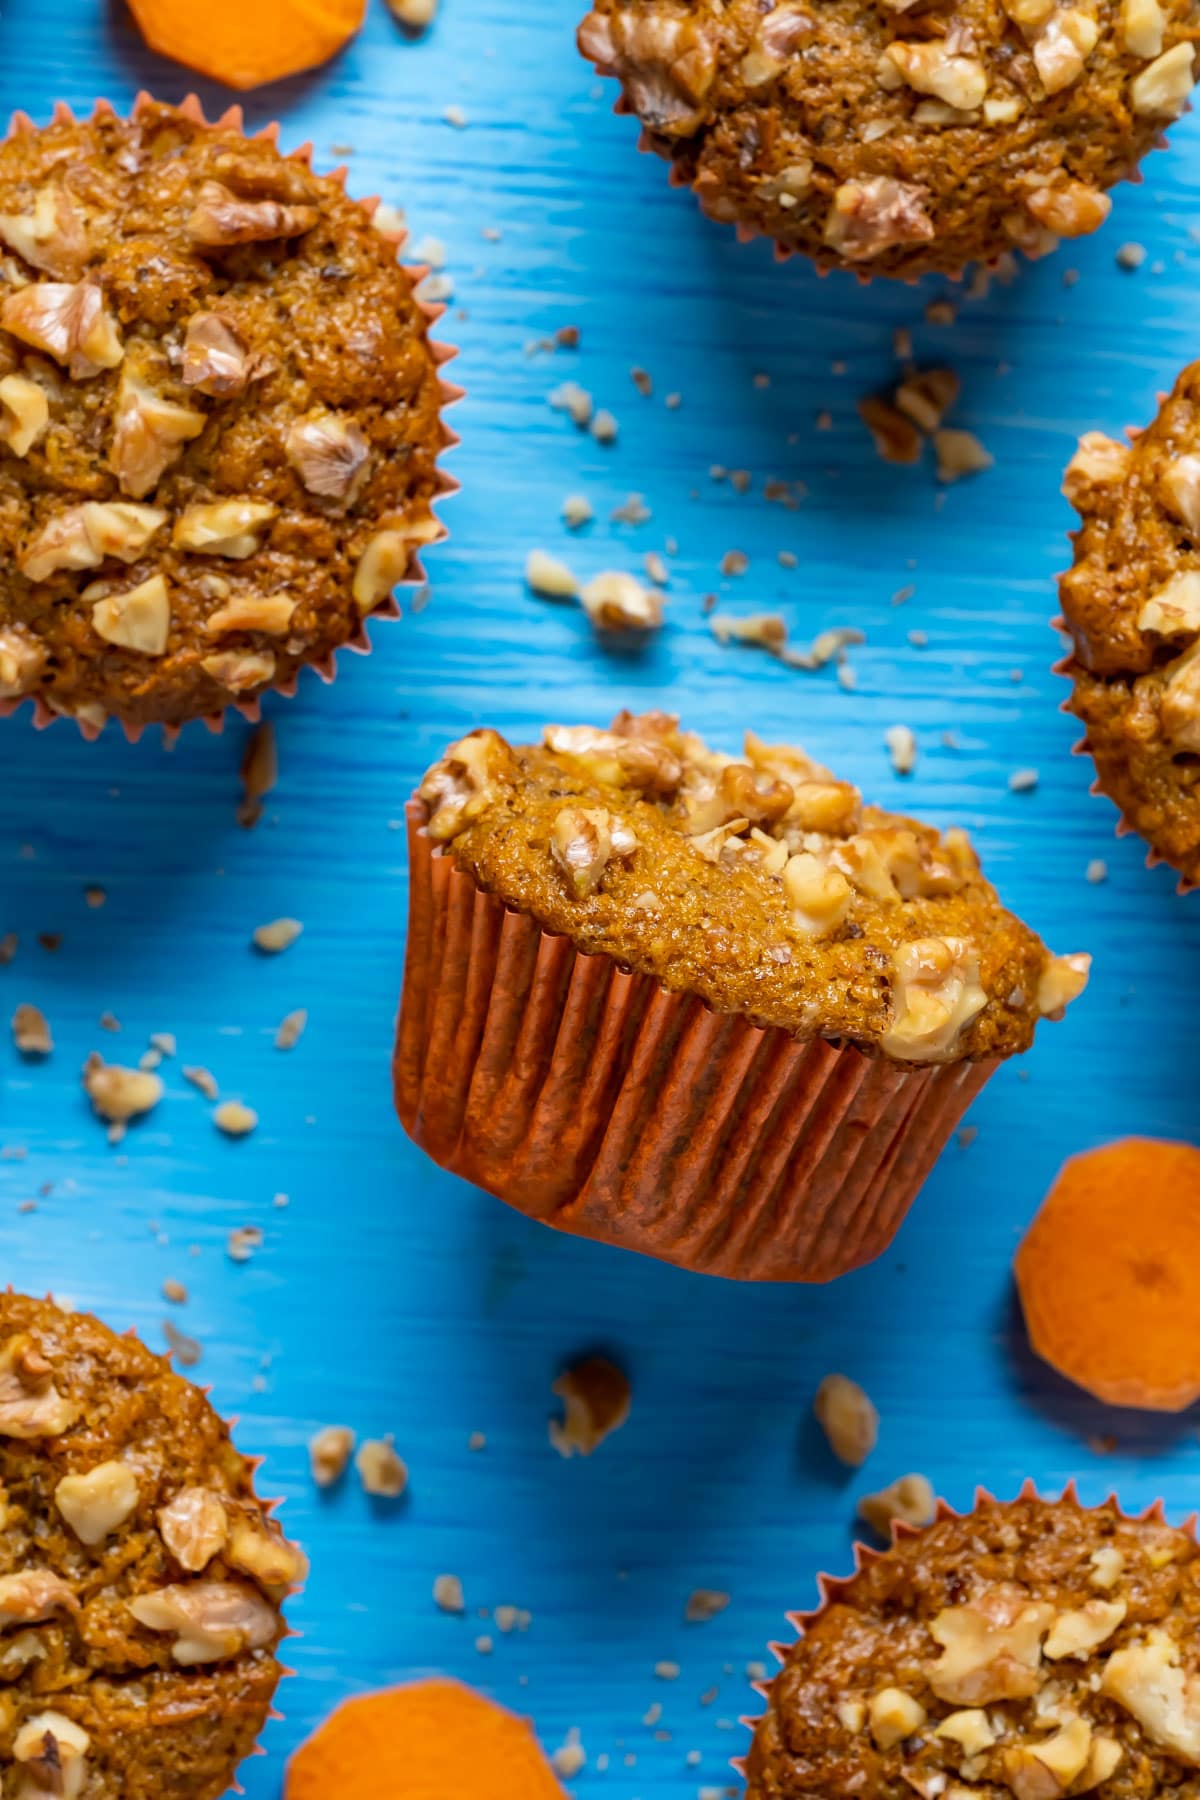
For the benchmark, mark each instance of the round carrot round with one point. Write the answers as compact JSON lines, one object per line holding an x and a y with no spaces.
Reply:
{"x":243,"y":45}
{"x":434,"y":1740}
{"x":1109,"y":1274}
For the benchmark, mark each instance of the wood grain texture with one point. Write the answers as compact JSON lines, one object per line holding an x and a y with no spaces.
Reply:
{"x":393,"y":1298}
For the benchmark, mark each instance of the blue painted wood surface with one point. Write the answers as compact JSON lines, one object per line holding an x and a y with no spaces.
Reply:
{"x":393,"y":1298}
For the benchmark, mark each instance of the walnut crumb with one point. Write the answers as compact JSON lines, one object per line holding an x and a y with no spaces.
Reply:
{"x":234,"y":1118}
{"x":448,"y":1594}
{"x":380,"y":1470}
{"x":31,"y":1032}
{"x":279,"y":934}
{"x":848,"y":1419}
{"x":910,"y":1500}
{"x":596,"y":1397}
{"x":329,"y":1452}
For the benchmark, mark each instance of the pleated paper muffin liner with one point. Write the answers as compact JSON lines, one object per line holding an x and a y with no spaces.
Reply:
{"x":747,"y":233}
{"x":233,"y":119}
{"x":832,"y":1588}
{"x":590,"y":1098}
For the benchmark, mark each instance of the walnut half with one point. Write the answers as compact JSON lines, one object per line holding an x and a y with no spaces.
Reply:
{"x":583,"y":842}
{"x":68,"y":321}
{"x":210,"y":1620}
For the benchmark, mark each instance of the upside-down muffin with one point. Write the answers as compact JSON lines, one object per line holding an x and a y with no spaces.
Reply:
{"x":1024,"y":1651}
{"x":140,"y":1578}
{"x":898,"y":137}
{"x":752,"y":905}
{"x":219,"y":417}
{"x":1131,"y":602}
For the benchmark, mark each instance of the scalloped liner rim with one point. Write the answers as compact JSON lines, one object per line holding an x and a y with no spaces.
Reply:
{"x":747,"y":233}
{"x":831,"y":1587}
{"x":233,"y":119}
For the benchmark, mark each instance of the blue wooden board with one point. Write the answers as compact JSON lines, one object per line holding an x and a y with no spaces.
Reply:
{"x":394,"y":1298}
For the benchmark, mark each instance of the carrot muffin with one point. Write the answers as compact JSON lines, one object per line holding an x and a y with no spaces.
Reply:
{"x":140,"y":1578}
{"x":757,"y":890}
{"x":1131,"y":602}
{"x":1032,"y":1650}
{"x":896,"y":137}
{"x":219,"y":417}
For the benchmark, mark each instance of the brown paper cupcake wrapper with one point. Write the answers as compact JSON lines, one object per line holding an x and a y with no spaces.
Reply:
{"x":747,"y":234}
{"x":360,"y":643}
{"x":831,"y":1588}
{"x":592,"y":1099}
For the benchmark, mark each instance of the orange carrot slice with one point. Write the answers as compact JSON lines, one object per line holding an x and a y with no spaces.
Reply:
{"x":435,"y":1740}
{"x":1109,"y":1274}
{"x":245,"y":43}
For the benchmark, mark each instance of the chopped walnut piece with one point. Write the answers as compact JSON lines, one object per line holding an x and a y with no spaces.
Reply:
{"x":230,"y":528}
{"x":22,"y":659}
{"x":52,"y":1749}
{"x":82,"y":536}
{"x":30,"y":1404}
{"x":893,"y":1716}
{"x":936,"y":995}
{"x":31,"y":1031}
{"x":210,"y":1620}
{"x":235,"y":1118}
{"x":927,"y":396}
{"x":448,"y":1594}
{"x":266,"y":1556}
{"x":1180,"y":706}
{"x":1108,"y":1565}
{"x":961,"y":81}
{"x":33,"y":1595}
{"x":959,"y":453}
{"x":222,"y":218}
{"x":1180,"y":485}
{"x":385,"y":562}
{"x":1063,"y":979}
{"x":818,"y":896}
{"x":139,"y":619}
{"x":1045,"y":1771}
{"x":596,"y":1399}
{"x":215,"y":357}
{"x":970,"y":1729}
{"x":1062,"y":46}
{"x":1142,"y":25}
{"x":767,"y":630}
{"x":1069,"y":209}
{"x":120,"y":1094}
{"x":910,"y":1501}
{"x":26,"y":413}
{"x":240,"y":670}
{"x":1148,"y":1682}
{"x":1099,"y":462}
{"x":1083,"y":1628}
{"x":623,"y":762}
{"x":739,"y":792}
{"x":69,"y":321}
{"x":582,"y":843}
{"x":98,"y":1503}
{"x":148,"y":434}
{"x":53,"y":237}
{"x":1162,"y":88}
{"x":194,"y":1525}
{"x":616,"y":601}
{"x":271,"y":614}
{"x":704,"y":1604}
{"x":329,"y":454}
{"x":276,"y":935}
{"x":550,"y":578}
{"x":329,"y":1453}
{"x":848,"y":1419}
{"x":896,"y":438}
{"x":869,"y":217}
{"x":465,"y":782}
{"x":992,"y":1648}
{"x":380,"y":1470}
{"x":1175,"y":609}
{"x":667,"y":64}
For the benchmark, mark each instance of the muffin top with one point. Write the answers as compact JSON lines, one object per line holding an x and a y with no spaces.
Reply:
{"x":140,"y":1579}
{"x":1131,"y":602}
{"x":760,"y":883}
{"x":1032,"y":1650}
{"x":219,"y":417}
{"x":900,"y":136}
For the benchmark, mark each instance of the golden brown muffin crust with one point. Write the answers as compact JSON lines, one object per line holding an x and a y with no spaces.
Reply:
{"x":1024,"y":1652}
{"x":899,"y":137}
{"x":1131,"y":602}
{"x":215,"y":346}
{"x":140,"y":1578}
{"x":761,"y":884}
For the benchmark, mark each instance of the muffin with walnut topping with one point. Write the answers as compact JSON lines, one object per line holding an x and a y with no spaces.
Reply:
{"x":219,"y":418}
{"x":140,"y":1578}
{"x":898,"y":137}
{"x":1033,"y":1650}
{"x":705,"y":1006}
{"x":1131,"y":603}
